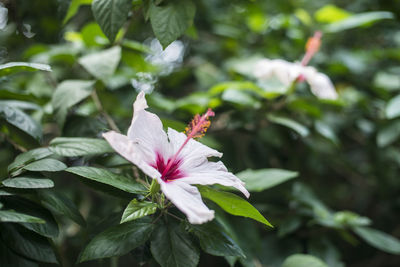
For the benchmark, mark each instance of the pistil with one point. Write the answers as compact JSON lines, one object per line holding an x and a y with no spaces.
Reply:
{"x":196,"y":128}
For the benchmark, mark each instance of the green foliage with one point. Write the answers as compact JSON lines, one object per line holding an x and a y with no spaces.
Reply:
{"x":214,"y":241}
{"x":303,"y":260}
{"x":15,"y":67}
{"x":379,"y":239}
{"x":27,"y":182}
{"x":260,"y":180}
{"x":21,"y":120}
{"x":106,"y":177}
{"x":171,"y":19}
{"x":233,"y":204}
{"x":111,"y":15}
{"x":70,"y":71}
{"x":76,"y":147}
{"x":172,"y":246}
{"x":136,"y":210}
{"x":117,"y":240}
{"x":67,"y":94}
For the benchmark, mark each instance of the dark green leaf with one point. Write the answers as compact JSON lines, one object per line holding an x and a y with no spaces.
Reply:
{"x":11,"y":259}
{"x":13,"y":216}
{"x":27,"y":243}
{"x":111,"y":15}
{"x":47,"y":229}
{"x":303,"y":260}
{"x":117,"y":240}
{"x":172,"y":247}
{"x":13,"y":67}
{"x":294,"y":125}
{"x":45,"y":165}
{"x":107,"y":177}
{"x":61,"y":205}
{"x":379,"y":240}
{"x":138,"y":209}
{"x":29,"y":156}
{"x":67,"y":94}
{"x":259,"y":180}
{"x":232,"y":204}
{"x":21,"y":120}
{"x":103,"y":64}
{"x":171,"y":19}
{"x":28,"y":182}
{"x":76,"y":146}
{"x":214,"y":241}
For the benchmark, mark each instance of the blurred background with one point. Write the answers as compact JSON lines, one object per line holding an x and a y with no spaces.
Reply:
{"x":341,"y":157}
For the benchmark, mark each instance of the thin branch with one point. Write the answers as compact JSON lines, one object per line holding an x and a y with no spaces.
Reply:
{"x":15,"y":145}
{"x":101,"y":109}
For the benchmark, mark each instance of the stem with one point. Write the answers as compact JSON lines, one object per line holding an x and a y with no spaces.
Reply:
{"x":101,"y":109}
{"x":15,"y":145}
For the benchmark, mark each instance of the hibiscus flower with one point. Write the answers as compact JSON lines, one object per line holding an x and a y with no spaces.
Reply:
{"x":176,"y":160}
{"x":289,"y":72}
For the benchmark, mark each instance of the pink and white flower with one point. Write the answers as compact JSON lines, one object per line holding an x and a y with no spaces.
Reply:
{"x":288,"y":72}
{"x":176,"y":160}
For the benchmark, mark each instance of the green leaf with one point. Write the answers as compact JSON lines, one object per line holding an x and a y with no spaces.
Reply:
{"x":67,"y":94}
{"x":136,"y":210}
{"x":171,"y":19}
{"x":233,"y":204}
{"x":45,"y":165}
{"x":74,"y":7}
{"x":388,"y":134}
{"x":61,"y":205}
{"x":10,"y":259}
{"x":27,"y":157}
{"x":214,"y":241}
{"x":28,"y":183}
{"x":393,"y":108}
{"x":20,"y":104}
{"x":118,"y":240}
{"x":103,"y":64}
{"x":294,"y":125}
{"x":21,"y":120}
{"x":111,"y":15}
{"x":136,"y":46}
{"x":78,"y":146}
{"x":27,"y":243}
{"x":379,"y":240}
{"x":14,"y":67}
{"x":13,"y":216}
{"x":47,"y":229}
{"x":107,"y":177}
{"x":358,"y":20}
{"x":303,"y":260}
{"x":331,"y":13}
{"x":259,"y":180}
{"x":171,"y":247}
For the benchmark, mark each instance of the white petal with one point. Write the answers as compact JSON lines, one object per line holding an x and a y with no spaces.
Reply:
{"x":286,"y":72}
{"x":132,"y":151}
{"x":263,"y":69}
{"x":194,"y":153}
{"x":187,"y":199}
{"x":213,"y":173}
{"x":321,"y":85}
{"x":3,"y":17}
{"x":147,"y":129}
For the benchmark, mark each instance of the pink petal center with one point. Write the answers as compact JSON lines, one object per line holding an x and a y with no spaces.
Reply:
{"x":170,"y":171}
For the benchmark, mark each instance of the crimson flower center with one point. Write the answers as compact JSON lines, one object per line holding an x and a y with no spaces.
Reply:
{"x":173,"y":172}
